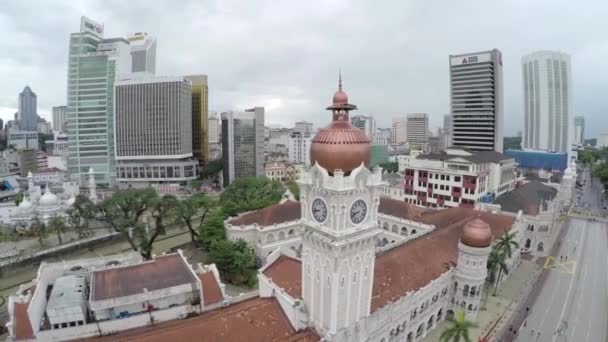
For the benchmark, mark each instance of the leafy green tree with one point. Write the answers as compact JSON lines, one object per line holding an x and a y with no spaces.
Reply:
{"x":80,"y":214}
{"x":295,"y":189}
{"x":234,"y":259}
{"x":124,"y":212}
{"x":458,"y":329}
{"x":57,"y":225}
{"x":40,"y":231}
{"x":190,"y":207}
{"x":252,"y":193}
{"x":497,"y":265}
{"x":212,"y":169}
{"x":389,"y":166}
{"x":18,"y":198}
{"x":507,"y":243}
{"x":212,"y":229}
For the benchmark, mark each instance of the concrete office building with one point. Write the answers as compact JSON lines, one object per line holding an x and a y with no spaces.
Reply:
{"x":382,"y":136}
{"x":243,"y":144}
{"x":579,"y":130}
{"x":447,"y":130}
{"x":143,"y":54}
{"x":365,"y":123}
{"x":303,"y":127}
{"x":22,"y":139}
{"x":200,"y":115}
{"x":399,"y":130}
{"x":27,"y":113}
{"x":476,"y":98}
{"x":548,"y":105}
{"x":59,"y":121}
{"x":418,"y":131}
{"x":94,"y":64}
{"x":213,"y":128}
{"x":602,"y":141}
{"x":299,"y":148}
{"x":154,"y":142}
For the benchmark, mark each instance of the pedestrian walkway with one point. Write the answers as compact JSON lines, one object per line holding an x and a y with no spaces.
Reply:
{"x":498,"y":308}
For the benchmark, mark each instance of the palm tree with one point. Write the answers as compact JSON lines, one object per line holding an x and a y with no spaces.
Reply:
{"x":458,"y":329}
{"x":497,"y":263}
{"x":57,"y":224}
{"x":507,"y":243}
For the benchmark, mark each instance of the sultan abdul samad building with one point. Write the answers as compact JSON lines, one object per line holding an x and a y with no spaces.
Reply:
{"x":344,"y":264}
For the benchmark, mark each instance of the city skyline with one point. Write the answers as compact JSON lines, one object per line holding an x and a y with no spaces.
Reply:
{"x":286,"y":81}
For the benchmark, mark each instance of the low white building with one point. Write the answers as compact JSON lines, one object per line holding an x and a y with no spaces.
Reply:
{"x":67,"y":305}
{"x":23,"y":139}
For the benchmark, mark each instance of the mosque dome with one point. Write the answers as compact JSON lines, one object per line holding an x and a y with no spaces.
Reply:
{"x":25,"y":204}
{"x":48,"y":199}
{"x":476,"y":233}
{"x":340,"y":145}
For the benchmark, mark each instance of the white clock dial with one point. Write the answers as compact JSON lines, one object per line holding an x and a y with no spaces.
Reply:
{"x":358,"y":211}
{"x":319,"y":210}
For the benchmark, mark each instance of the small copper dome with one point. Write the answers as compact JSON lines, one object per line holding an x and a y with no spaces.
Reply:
{"x":476,"y":233}
{"x":340,"y":145}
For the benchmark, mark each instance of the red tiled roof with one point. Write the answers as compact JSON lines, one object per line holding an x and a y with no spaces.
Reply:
{"x":401,"y":209}
{"x":259,"y":319}
{"x":23,"y":326}
{"x":416,"y":263}
{"x":163,"y":272}
{"x":286,"y":272}
{"x":211,"y":289}
{"x":278,"y":213}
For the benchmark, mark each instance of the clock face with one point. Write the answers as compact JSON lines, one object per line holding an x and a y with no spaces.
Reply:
{"x":358,"y":211}
{"x":319,"y":210}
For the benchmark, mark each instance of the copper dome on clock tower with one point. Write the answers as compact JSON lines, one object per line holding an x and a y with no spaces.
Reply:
{"x":340,"y":145}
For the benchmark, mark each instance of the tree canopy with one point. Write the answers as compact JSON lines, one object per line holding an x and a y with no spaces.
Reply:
{"x":235,"y":260}
{"x":188,"y":208}
{"x":389,"y":166}
{"x":251,"y":193}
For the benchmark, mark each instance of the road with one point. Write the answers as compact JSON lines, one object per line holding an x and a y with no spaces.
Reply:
{"x":572,"y":304}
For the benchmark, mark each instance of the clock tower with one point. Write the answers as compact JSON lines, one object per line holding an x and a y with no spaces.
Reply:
{"x":340,"y":199}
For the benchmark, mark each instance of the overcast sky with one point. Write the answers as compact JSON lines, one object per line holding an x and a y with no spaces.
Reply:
{"x":285,"y":55}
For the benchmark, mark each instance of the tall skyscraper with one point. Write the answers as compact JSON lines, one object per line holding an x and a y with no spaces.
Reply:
{"x":299,"y":148}
{"x":579,"y":130}
{"x":59,"y":121}
{"x":154,"y":131}
{"x":399,"y":130}
{"x":27,"y":113}
{"x":476,"y":98}
{"x":365,"y":123}
{"x":213,"y":128}
{"x":143,"y":54}
{"x":548,"y":105}
{"x":303,"y":127}
{"x":243,"y":144}
{"x":418,"y":131}
{"x":200,"y":118}
{"x":94,"y":64}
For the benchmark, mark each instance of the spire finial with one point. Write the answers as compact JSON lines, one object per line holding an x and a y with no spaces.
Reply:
{"x":339,"y":79}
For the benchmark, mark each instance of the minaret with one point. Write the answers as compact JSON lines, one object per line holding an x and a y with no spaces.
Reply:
{"x":340,"y":199}
{"x":471,"y":271}
{"x":92,"y":185}
{"x":30,"y":183}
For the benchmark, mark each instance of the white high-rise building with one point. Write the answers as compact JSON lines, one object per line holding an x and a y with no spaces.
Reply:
{"x":365,"y":123}
{"x":299,"y":148}
{"x":399,"y":130}
{"x":94,"y":64}
{"x":579,"y":130}
{"x":476,"y":97}
{"x":304,"y":127}
{"x":154,"y":142}
{"x":418,"y":131}
{"x":143,"y":54}
{"x":547,"y":101}
{"x":382,"y":136}
{"x":214,"y":128}
{"x":59,"y":121}
{"x":602,"y":141}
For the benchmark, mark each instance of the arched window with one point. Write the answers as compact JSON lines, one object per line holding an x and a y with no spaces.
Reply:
{"x":439,"y":313}
{"x":403,"y":231}
{"x":291,"y":233}
{"x":470,"y":307}
{"x":413,"y":232}
{"x":420,"y":330}
{"x":410,"y":337}
{"x":528,"y":243}
{"x":455,"y":286}
{"x":540,"y":247}
{"x":394,"y":229}
{"x":281,"y":235}
{"x":473,"y":291}
{"x":270,"y":238}
{"x":429,"y":324}
{"x":385,"y":226}
{"x":465,"y":290}
{"x":463,"y":304}
{"x":449,"y":314}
